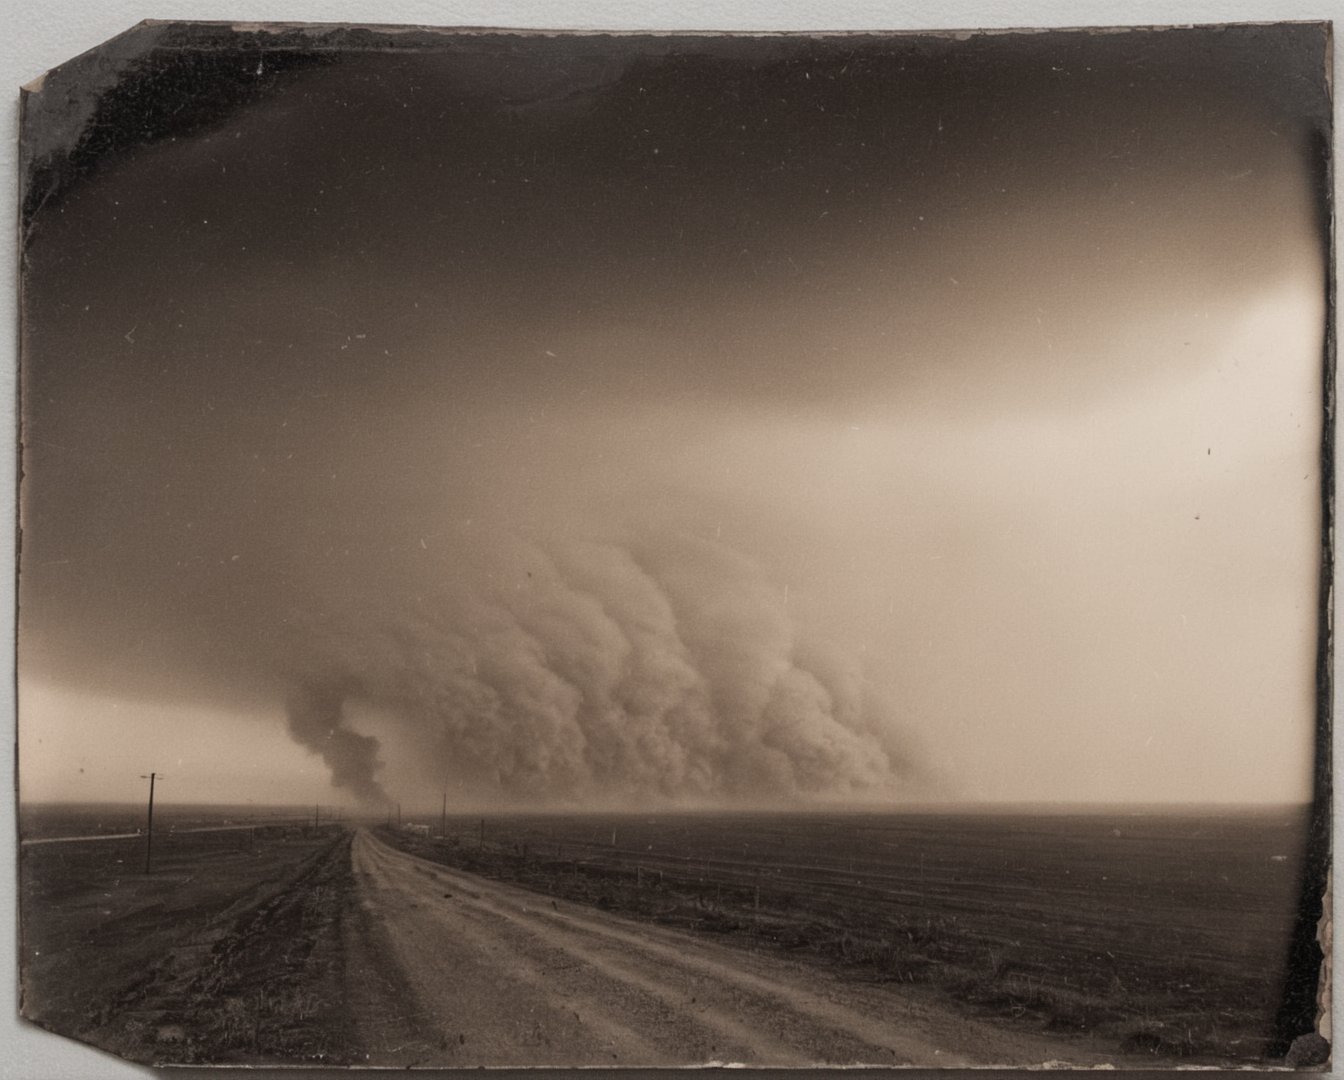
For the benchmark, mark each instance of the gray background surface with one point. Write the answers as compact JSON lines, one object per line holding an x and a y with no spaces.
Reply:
{"x":37,"y":36}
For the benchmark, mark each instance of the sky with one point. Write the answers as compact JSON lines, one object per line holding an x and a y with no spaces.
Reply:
{"x":629,"y":422}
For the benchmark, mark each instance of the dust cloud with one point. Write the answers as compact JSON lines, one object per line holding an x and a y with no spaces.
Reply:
{"x":666,"y":668}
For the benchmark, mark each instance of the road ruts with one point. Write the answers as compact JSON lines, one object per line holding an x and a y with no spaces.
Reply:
{"x":497,"y":975}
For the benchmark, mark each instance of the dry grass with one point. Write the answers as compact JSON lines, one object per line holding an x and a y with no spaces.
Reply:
{"x":223,"y":955}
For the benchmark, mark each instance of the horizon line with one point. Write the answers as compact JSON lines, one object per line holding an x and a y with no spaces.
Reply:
{"x":821,"y":807}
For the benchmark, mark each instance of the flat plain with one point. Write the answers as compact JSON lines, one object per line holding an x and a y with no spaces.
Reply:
{"x":1166,"y":934}
{"x":1084,"y":937}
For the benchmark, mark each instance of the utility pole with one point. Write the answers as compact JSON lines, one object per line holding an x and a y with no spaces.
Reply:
{"x":443,"y":815}
{"x":398,"y":815}
{"x":149,"y":824}
{"x":316,"y":812}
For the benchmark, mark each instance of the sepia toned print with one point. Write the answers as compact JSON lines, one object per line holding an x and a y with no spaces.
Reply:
{"x":642,"y":550}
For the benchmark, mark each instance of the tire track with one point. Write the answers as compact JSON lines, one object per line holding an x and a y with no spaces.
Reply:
{"x":539,"y":958}
{"x":571,"y":988}
{"x":798,"y":1016}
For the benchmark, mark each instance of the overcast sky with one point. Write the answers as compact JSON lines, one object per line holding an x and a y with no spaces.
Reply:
{"x":616,"y":422}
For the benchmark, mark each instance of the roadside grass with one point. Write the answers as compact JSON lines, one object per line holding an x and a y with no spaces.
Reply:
{"x":268,"y":991}
{"x":221,"y":956}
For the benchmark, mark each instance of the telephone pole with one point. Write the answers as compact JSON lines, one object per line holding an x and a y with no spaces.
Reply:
{"x":443,"y":815}
{"x":149,"y":824}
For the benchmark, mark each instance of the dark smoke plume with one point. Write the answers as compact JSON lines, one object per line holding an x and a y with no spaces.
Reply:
{"x":316,"y":721}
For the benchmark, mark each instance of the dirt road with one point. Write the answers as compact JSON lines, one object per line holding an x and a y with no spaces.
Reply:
{"x":448,"y":969}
